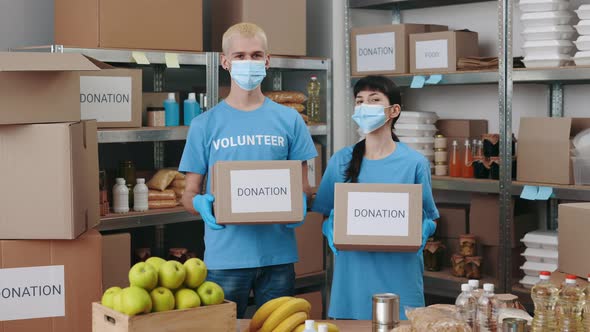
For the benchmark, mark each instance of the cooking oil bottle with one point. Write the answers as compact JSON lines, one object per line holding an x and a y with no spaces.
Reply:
{"x":587,"y":308}
{"x":569,"y":306}
{"x":313,"y":100}
{"x":544,"y":295}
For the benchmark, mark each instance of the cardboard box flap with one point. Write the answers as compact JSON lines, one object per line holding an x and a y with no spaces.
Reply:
{"x":578,"y":125}
{"x":99,"y":64}
{"x":582,"y":206}
{"x":543,"y":129}
{"x":15,"y":62}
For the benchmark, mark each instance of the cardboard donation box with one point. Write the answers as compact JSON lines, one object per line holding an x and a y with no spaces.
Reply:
{"x":378,"y":217}
{"x":438,"y":52}
{"x":286,"y":28}
{"x":50,"y":183}
{"x":111,"y":96}
{"x":258,"y":192}
{"x":214,"y":318}
{"x":49,"y":285}
{"x":544,"y":149}
{"x":40,"y":87}
{"x":573,"y":244}
{"x":382,"y":50}
{"x":116,"y":260}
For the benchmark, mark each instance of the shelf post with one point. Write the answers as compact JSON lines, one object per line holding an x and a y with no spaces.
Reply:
{"x":159,"y":152}
{"x":212,"y":60}
{"x":555,"y":111}
{"x":396,"y":15}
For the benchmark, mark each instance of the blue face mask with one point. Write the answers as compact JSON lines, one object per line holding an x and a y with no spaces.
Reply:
{"x":369,"y":117}
{"x":248,"y":74}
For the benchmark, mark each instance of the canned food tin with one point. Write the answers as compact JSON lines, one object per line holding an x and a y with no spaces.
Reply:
{"x":514,"y":325}
{"x":385,"y":310}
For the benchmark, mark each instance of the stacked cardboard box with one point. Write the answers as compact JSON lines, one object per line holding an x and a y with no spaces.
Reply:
{"x":50,"y":263}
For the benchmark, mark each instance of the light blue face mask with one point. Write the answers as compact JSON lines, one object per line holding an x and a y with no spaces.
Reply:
{"x":369,"y":117}
{"x":248,"y":74}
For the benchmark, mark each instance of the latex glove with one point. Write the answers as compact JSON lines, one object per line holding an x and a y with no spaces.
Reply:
{"x":428,"y":229}
{"x":304,"y":214}
{"x":328,"y":231}
{"x":204,"y":205}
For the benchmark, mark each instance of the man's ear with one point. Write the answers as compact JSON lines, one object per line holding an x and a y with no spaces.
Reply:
{"x":225,"y":63}
{"x":267,"y":61}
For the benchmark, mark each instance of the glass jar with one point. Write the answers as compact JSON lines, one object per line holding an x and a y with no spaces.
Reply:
{"x":458,"y":264}
{"x":440,"y":142}
{"x":467,"y":245}
{"x":473,"y":267}
{"x":433,"y":255}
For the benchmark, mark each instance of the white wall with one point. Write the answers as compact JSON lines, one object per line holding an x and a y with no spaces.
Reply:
{"x":25,"y":23}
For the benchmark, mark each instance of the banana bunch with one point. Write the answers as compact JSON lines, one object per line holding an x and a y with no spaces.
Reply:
{"x":283,"y":314}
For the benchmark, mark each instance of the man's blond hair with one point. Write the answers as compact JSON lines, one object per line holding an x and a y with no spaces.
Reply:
{"x":248,"y":30}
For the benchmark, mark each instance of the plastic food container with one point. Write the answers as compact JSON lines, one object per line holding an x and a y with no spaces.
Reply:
{"x":583,"y":12}
{"x":550,"y":32}
{"x":547,"y":61}
{"x":419,"y":143}
{"x":581,"y":171}
{"x":541,"y":48}
{"x":429,"y":154}
{"x":582,"y":58}
{"x":415,"y":130}
{"x":411,"y":117}
{"x":529,"y":281}
{"x":527,"y":6}
{"x":541,"y":255}
{"x":583,"y":27}
{"x":541,"y":240}
{"x":546,"y":18}
{"x":533,"y":268}
{"x":583,"y":43}
{"x":582,"y":139}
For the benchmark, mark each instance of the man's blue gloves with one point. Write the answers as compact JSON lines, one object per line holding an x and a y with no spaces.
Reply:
{"x":204,"y":205}
{"x":328,"y":231}
{"x":304,"y":214}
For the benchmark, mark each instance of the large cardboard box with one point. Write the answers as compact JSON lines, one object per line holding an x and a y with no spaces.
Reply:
{"x":378,"y":217}
{"x":310,"y":245}
{"x":490,"y":263}
{"x":315,"y":169}
{"x":460,"y":130}
{"x":383,"y":50}
{"x":40,"y":87}
{"x":317,"y":308}
{"x":50,"y":180}
{"x":57,"y":281}
{"x":484,"y":219}
{"x":116,"y":260}
{"x":111,"y":96}
{"x":438,"y":52}
{"x":453,"y":221}
{"x":573,"y":244}
{"x":558,"y":279}
{"x":285,"y":28}
{"x":544,"y":157}
{"x":134,"y":24}
{"x":451,"y":247}
{"x":258,"y":192}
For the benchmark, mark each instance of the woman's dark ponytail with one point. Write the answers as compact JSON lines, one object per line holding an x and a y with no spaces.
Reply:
{"x":389,"y":89}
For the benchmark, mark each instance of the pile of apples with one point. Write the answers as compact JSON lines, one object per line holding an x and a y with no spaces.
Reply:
{"x":158,"y":285}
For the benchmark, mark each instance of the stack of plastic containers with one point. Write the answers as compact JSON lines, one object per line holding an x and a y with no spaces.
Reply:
{"x":548,"y":33}
{"x":417,"y":129}
{"x":541,"y":255}
{"x":582,"y":57}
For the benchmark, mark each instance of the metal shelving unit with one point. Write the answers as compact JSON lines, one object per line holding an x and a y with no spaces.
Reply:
{"x":113,"y":221}
{"x":406,"y":4}
{"x":444,"y":284}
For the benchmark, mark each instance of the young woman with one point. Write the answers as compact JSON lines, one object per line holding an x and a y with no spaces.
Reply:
{"x":379,"y":158}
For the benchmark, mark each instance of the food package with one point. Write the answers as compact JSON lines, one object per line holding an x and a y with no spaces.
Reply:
{"x":178,"y":184}
{"x":179,"y":176}
{"x":179,"y":192}
{"x":436,"y":320}
{"x":162,"y":179}
{"x":286,"y":97}
{"x":298,"y":107}
{"x":162,"y":204}
{"x":157,"y":195}
{"x":305,"y":118}
{"x":403,"y":328}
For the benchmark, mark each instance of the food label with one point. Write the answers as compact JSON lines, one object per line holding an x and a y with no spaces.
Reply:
{"x":105,"y":98}
{"x":32,"y":292}
{"x":264,"y":190}
{"x":375,"y":52}
{"x":378,"y":214}
{"x":432,"y":54}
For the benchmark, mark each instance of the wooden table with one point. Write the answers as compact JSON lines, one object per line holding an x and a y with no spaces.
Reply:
{"x":344,"y":325}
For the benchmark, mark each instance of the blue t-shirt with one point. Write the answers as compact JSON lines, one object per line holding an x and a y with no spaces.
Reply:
{"x":271,"y":132}
{"x":360,"y":274}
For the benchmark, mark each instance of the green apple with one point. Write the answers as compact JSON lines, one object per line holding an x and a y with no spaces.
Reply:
{"x":210,"y":293}
{"x":187,"y":298}
{"x":107,"y":297}
{"x":135,"y":300}
{"x":144,"y":276}
{"x":118,"y":301}
{"x":162,"y":299}
{"x":196,"y":272}
{"x":155,"y":262}
{"x":171,"y":274}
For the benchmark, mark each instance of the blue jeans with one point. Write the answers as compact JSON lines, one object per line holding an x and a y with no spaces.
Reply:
{"x":267,"y":282}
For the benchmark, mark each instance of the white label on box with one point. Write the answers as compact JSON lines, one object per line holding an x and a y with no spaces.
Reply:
{"x":32,"y":292}
{"x":375,"y":52}
{"x":311,"y":172}
{"x":378,"y":214}
{"x":105,"y":98}
{"x":432,"y":54}
{"x":264,"y":190}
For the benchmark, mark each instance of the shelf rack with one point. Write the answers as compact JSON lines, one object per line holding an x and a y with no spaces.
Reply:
{"x":443,"y":283}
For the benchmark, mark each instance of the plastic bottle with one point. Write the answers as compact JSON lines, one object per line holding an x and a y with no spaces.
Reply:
{"x":171,"y":111}
{"x":191,"y":108}
{"x":455,"y":164}
{"x":140,"y":196}
{"x":466,"y":165}
{"x":544,"y":295}
{"x":474,"y":148}
{"x":313,"y":100}
{"x":309,"y":326}
{"x":467,"y":305}
{"x":570,"y":304}
{"x":475,"y":290}
{"x":322,"y":328}
{"x":120,"y":196}
{"x":587,"y":308}
{"x":487,"y":310}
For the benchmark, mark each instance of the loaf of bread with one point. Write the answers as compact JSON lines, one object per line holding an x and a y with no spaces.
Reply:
{"x":286,"y":97}
{"x":179,"y":192}
{"x":298,"y":107}
{"x":162,"y":204}
{"x":178,"y":184}
{"x":162,"y":179}
{"x":159,"y":195}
